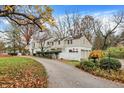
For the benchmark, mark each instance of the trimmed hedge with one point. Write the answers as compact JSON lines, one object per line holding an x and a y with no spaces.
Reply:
{"x":106,"y":63}
{"x":101,"y":69}
{"x":13,"y":54}
{"x":87,"y":65}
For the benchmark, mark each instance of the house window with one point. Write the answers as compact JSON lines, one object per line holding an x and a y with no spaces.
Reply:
{"x":73,"y":50}
{"x":52,"y":43}
{"x":69,"y":41}
{"x":48,"y":43}
{"x":76,"y":50}
{"x":58,"y":42}
{"x":70,"y":50}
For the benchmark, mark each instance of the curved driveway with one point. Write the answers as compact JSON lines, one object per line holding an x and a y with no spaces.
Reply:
{"x":61,"y":75}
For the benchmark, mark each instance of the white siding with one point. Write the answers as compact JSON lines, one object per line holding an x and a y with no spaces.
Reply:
{"x":74,"y":55}
{"x":82,"y":44}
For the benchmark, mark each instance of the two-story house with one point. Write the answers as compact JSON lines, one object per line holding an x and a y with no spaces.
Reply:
{"x":71,"y":49}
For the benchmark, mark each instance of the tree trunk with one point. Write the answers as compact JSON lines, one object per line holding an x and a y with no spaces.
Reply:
{"x":104,"y":43}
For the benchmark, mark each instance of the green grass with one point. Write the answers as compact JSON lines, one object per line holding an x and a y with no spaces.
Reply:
{"x":72,"y":62}
{"x":21,"y":72}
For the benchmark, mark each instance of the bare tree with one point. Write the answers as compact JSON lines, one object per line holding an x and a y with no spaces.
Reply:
{"x":100,"y":34}
{"x":73,"y":24}
{"x":41,"y":39}
{"x":119,"y":39}
{"x":2,"y":46}
{"x":68,"y":25}
{"x":14,"y":40}
{"x":27,"y":32}
{"x":106,"y":31}
{"x":59,"y":31}
{"x":87,"y":27}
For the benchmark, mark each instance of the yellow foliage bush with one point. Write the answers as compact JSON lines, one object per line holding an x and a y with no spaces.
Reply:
{"x":8,"y":8}
{"x":96,"y":54}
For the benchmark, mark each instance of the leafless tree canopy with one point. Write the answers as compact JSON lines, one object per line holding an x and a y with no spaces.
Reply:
{"x":100,"y":34}
{"x":34,"y":18}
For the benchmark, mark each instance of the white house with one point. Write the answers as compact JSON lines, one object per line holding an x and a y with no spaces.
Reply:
{"x":71,"y":49}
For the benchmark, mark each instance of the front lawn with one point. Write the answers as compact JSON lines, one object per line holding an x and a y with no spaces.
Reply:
{"x":72,"y":62}
{"x":21,"y":72}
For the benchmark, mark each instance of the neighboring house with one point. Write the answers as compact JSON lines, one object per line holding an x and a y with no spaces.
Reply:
{"x":69,"y":48}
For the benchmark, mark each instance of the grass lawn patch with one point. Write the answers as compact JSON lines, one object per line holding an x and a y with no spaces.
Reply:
{"x":21,"y":72}
{"x":72,"y":62}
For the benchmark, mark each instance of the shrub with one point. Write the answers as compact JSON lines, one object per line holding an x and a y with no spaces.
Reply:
{"x":43,"y":54}
{"x":97,"y":64}
{"x":114,"y":64}
{"x":117,"y":52}
{"x":12,"y":54}
{"x":87,"y":65}
{"x":96,"y":54}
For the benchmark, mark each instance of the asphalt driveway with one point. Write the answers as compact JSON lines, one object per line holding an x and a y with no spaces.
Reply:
{"x":61,"y":75}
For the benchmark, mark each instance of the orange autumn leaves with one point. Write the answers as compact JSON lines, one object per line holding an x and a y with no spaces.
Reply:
{"x":8,"y":7}
{"x":97,"y":54}
{"x":38,"y":14}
